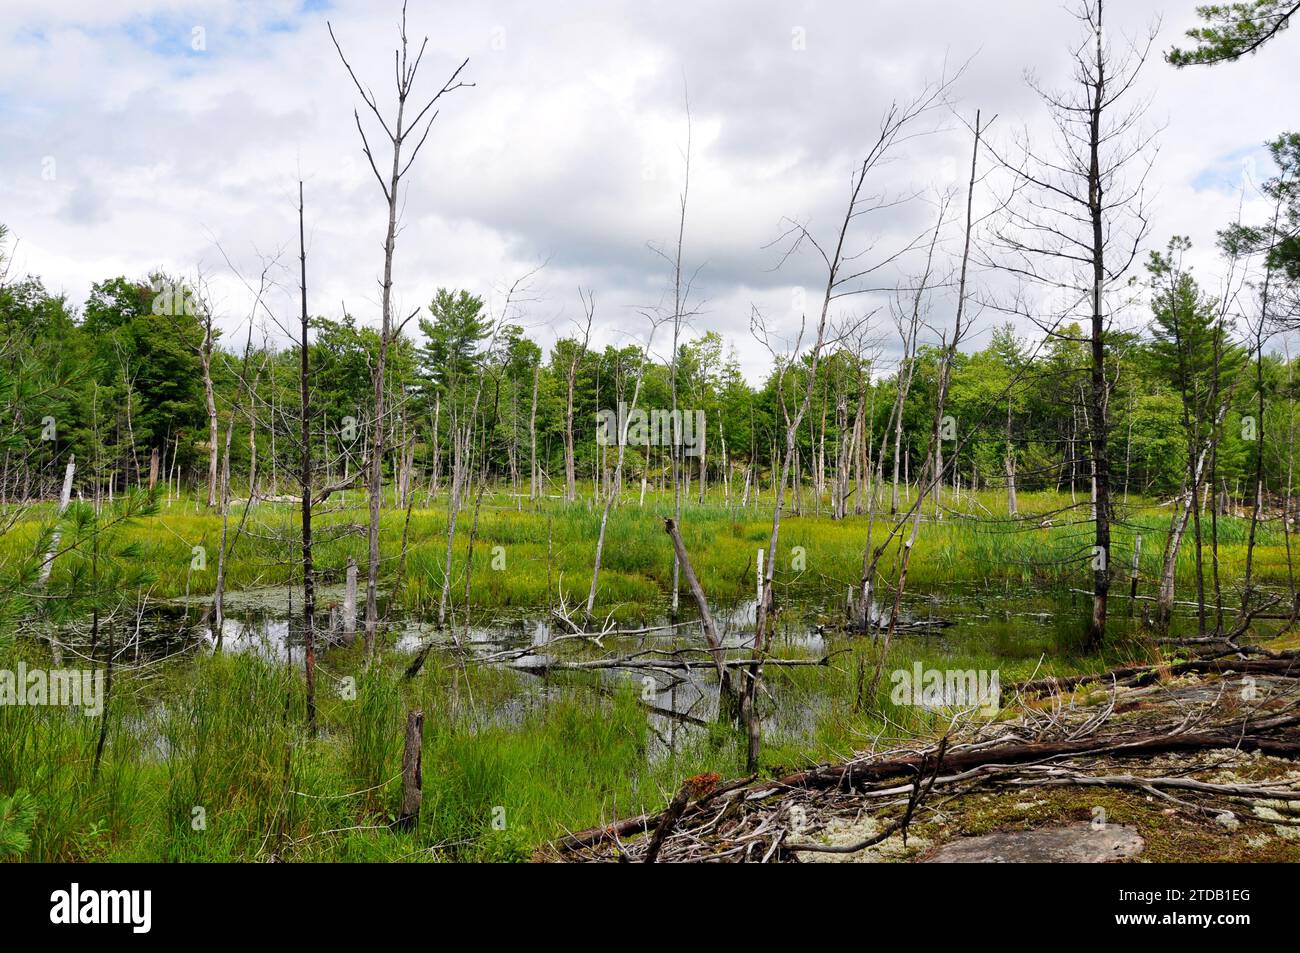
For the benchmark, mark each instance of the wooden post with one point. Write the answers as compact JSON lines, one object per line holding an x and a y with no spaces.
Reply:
{"x":412,"y":774}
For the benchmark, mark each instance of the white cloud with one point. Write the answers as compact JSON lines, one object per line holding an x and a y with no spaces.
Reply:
{"x":567,"y":149}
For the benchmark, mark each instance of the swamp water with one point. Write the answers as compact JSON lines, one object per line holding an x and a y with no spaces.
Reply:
{"x":1011,"y":633}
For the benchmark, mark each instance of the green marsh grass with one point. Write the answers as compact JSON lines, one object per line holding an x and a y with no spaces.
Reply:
{"x":207,"y":757}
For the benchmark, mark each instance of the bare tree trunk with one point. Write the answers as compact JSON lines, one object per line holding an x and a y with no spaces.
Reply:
{"x":305,"y":481}
{"x":1247,"y":587}
{"x":219,"y":595}
{"x":702,"y":603}
{"x":210,"y":399}
{"x":534,"y":484}
{"x":350,"y":603}
{"x":611,"y":497}
{"x":1098,"y":425}
{"x":680,"y":290}
{"x":1012,"y":508}
{"x":437,"y":444}
{"x":726,"y":465}
{"x":404,"y":75}
{"x":703,"y":456}
{"x":571,"y":374}
{"x":65,"y":496}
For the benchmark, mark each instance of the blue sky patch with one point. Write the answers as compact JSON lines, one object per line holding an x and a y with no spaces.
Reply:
{"x":1252,"y":164}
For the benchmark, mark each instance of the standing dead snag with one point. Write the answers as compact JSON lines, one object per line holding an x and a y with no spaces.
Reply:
{"x":613,"y":491}
{"x":64,"y":498}
{"x":305,"y":479}
{"x":204,"y":350}
{"x":309,"y":495}
{"x":570,"y":380}
{"x":405,"y":74}
{"x":847,"y":275}
{"x":350,"y":603}
{"x":934,"y":461}
{"x":243,"y":375}
{"x":1075,"y":226}
{"x":681,"y":292}
{"x":412,"y":772}
{"x":195,"y":301}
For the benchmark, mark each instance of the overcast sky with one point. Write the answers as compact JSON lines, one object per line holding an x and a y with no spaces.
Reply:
{"x":141,"y":134}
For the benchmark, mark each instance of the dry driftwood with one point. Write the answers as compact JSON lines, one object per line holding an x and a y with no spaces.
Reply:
{"x":1011,"y":758}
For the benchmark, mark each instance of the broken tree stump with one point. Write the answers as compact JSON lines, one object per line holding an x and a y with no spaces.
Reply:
{"x":412,"y":773}
{"x":350,"y":604}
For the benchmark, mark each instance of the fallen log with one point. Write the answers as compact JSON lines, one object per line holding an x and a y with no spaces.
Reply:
{"x":1283,"y":664}
{"x":642,"y":823}
{"x":854,"y":774}
{"x":701,"y":603}
{"x":667,"y":665}
{"x":857,"y":774}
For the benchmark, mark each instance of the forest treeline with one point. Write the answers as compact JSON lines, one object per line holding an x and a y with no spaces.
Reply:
{"x":120,"y":384}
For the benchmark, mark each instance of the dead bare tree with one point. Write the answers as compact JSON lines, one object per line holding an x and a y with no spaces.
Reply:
{"x":909,"y":323}
{"x":681,"y":295}
{"x":257,"y":303}
{"x":570,"y":380}
{"x":847,"y":275}
{"x":179,"y":299}
{"x":1261,"y":325}
{"x":405,"y":71}
{"x":534,"y":474}
{"x":305,"y":479}
{"x":1076,"y":222}
{"x":205,"y":351}
{"x":933,"y":472}
{"x":612,"y":492}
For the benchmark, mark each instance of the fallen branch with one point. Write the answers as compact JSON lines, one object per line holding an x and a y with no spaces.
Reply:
{"x":917,"y":796}
{"x":1287,"y":664}
{"x":702,"y":603}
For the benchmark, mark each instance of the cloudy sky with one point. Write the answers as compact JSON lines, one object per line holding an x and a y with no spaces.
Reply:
{"x":153,"y":134}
